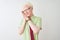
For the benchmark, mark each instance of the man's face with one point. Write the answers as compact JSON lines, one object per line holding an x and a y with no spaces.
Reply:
{"x":27,"y":10}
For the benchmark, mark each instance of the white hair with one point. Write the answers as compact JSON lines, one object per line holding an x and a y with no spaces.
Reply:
{"x":27,"y":3}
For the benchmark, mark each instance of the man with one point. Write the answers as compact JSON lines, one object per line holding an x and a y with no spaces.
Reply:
{"x":30,"y":25}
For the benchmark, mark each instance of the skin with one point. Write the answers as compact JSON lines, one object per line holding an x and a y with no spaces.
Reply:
{"x":27,"y":13}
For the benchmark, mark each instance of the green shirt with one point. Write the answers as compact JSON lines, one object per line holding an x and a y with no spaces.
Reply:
{"x":26,"y":34}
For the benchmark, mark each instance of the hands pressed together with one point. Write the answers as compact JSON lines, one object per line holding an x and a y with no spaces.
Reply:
{"x":26,"y":18}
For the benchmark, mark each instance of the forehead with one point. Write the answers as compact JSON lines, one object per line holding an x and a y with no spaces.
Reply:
{"x":26,"y":6}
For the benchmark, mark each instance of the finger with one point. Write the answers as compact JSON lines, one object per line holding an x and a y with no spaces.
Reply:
{"x":24,"y":14}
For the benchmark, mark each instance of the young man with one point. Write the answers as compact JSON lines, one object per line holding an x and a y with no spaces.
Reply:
{"x":30,"y":25}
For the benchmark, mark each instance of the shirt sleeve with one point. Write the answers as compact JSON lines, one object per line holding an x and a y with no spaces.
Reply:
{"x":39,"y":23}
{"x":20,"y":23}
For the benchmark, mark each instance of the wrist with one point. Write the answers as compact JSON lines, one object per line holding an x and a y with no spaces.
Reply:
{"x":29,"y":21}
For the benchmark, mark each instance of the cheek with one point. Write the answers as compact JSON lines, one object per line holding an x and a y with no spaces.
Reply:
{"x":28,"y":13}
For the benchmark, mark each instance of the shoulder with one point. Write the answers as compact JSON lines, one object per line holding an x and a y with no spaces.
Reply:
{"x":37,"y":18}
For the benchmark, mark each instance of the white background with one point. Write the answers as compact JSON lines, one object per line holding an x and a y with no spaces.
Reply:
{"x":10,"y":16}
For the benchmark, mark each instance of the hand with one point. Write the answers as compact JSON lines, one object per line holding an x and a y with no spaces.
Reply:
{"x":25,"y":17}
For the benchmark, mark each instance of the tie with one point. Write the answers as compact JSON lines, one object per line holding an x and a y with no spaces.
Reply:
{"x":31,"y":34}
